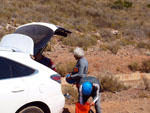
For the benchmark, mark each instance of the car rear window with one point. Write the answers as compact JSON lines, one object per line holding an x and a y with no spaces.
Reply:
{"x":10,"y":69}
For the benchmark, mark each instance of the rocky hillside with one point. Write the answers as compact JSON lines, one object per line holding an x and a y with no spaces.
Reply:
{"x":117,"y":30}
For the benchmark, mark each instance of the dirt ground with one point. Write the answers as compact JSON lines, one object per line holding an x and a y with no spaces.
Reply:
{"x":132,"y":100}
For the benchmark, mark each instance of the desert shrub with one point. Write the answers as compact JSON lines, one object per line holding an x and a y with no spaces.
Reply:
{"x":143,"y":45}
{"x":148,"y":5}
{"x":143,"y":95}
{"x":103,"y":47}
{"x":119,"y":4}
{"x":133,"y":66}
{"x":85,"y":41}
{"x":127,"y":4}
{"x":148,"y":34}
{"x":63,"y":69}
{"x":71,"y":49}
{"x":124,"y":42}
{"x":145,"y":67}
{"x":110,"y":83}
{"x":70,"y":66}
{"x":69,"y":89}
{"x":113,"y":48}
{"x":96,"y":35}
{"x":146,"y":83}
{"x":94,"y":12}
{"x":107,"y":36}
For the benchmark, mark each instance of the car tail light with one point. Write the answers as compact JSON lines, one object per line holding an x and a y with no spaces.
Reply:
{"x":56,"y":77}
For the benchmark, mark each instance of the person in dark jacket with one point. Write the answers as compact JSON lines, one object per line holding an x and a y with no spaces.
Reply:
{"x":44,"y":60}
{"x":90,"y":87}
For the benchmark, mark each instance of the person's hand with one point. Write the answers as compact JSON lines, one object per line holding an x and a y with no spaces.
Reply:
{"x":69,"y":78}
{"x":92,"y":103}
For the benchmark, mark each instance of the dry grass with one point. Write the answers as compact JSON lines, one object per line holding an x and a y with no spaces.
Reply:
{"x":63,"y":69}
{"x":134,"y":66}
{"x":146,"y":82}
{"x":110,"y":83}
{"x":144,"y":95}
{"x":72,"y":91}
{"x":80,"y":41}
{"x":144,"y":66}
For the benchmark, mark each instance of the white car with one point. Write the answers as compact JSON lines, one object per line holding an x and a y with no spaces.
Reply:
{"x":27,"y":86}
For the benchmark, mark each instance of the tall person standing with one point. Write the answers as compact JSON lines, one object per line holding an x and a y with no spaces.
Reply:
{"x":81,"y":68}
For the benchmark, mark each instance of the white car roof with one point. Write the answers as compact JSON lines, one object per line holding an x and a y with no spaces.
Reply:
{"x":17,"y":42}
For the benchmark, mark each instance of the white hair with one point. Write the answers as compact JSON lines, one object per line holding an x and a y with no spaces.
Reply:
{"x":78,"y":52}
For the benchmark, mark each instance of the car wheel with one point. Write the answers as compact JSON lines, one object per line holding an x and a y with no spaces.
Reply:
{"x":31,"y":109}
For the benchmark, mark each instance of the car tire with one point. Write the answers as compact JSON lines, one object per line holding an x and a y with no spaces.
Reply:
{"x":31,"y":109}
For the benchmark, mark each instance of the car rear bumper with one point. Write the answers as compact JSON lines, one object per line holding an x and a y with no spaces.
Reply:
{"x":58,"y":100}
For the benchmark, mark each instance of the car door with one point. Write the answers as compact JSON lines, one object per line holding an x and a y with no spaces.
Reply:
{"x":13,"y":94}
{"x":13,"y":90}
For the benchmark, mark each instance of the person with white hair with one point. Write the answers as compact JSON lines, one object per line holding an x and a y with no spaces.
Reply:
{"x":81,"y":68}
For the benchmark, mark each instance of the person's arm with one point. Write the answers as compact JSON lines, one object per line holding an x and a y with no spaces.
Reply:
{"x":96,"y":93}
{"x":80,"y":95}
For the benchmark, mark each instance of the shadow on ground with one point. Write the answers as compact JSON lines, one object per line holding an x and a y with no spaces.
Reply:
{"x":66,"y":110}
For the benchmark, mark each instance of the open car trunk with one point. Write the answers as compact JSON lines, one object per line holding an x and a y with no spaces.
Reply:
{"x":41,"y":33}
